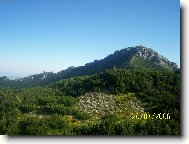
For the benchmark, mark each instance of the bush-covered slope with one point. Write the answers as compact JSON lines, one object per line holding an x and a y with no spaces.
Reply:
{"x":102,"y":104}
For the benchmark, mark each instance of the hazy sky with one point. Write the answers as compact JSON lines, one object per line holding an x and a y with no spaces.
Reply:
{"x":51,"y":35}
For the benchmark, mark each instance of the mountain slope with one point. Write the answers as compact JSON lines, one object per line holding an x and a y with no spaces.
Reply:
{"x":118,"y":101}
{"x":115,"y":102}
{"x":138,"y":56}
{"x":131,"y":57}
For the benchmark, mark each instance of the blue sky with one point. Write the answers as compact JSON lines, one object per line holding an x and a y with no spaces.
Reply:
{"x":51,"y":35}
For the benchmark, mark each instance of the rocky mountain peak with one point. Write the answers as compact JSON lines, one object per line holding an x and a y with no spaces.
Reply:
{"x":147,"y":53}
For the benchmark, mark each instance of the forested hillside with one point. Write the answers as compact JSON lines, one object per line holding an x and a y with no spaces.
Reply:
{"x":118,"y":101}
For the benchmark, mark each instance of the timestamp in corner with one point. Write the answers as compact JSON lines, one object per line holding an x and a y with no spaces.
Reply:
{"x":145,"y":116}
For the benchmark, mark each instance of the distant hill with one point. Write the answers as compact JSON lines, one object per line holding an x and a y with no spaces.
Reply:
{"x":130,"y":58}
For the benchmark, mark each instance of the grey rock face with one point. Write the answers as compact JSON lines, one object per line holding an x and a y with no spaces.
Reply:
{"x":147,"y":53}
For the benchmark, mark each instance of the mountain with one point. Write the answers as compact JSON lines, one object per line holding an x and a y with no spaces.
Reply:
{"x":130,"y":58}
{"x":135,"y":91}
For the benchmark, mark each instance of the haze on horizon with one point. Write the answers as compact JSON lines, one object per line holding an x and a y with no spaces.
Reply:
{"x":47,"y":35}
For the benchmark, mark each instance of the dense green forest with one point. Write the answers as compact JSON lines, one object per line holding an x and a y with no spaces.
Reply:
{"x":105,"y":103}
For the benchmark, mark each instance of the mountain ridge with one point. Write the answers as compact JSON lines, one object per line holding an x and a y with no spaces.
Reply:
{"x":121,"y":58}
{"x":131,"y":57}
